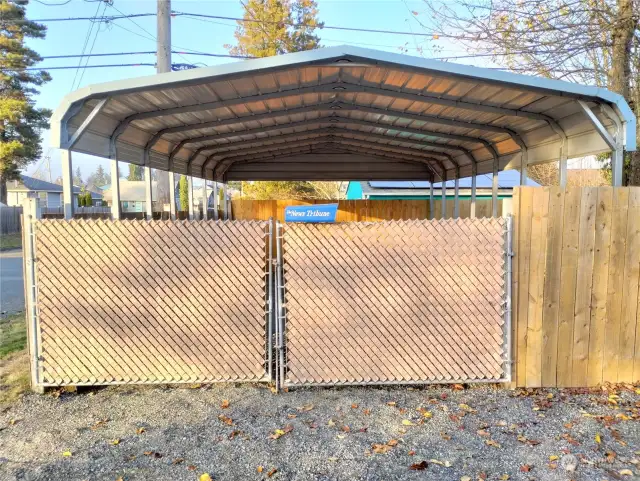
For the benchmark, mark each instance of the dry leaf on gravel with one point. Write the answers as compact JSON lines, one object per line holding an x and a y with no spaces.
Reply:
{"x":205,"y":477}
{"x":227,"y":420}
{"x":625,"y":472}
{"x":445,"y":436}
{"x":177,"y":461}
{"x":272,"y":472}
{"x":114,"y":442}
{"x":525,"y":468}
{"x":278,"y":433}
{"x":406,"y":422}
{"x":492,"y":443}
{"x":259,"y":469}
{"x":421,"y":466}
{"x":140,"y":430}
{"x":224,"y":404}
{"x":305,"y":408}
{"x":66,"y":454}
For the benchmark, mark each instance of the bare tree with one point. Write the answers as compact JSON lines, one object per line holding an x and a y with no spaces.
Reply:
{"x":595,"y":42}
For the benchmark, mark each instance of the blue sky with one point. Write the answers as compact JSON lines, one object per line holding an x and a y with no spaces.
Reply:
{"x":202,"y":35}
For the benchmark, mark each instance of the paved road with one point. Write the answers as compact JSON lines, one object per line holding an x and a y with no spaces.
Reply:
{"x":11,"y":282}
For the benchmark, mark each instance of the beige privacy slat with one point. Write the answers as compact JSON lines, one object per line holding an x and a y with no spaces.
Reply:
{"x":394,"y":301}
{"x":151,"y":302}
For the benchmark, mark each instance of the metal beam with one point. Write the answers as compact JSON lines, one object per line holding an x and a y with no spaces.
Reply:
{"x":325,"y":107}
{"x":456,"y":196}
{"x":205,"y":200}
{"x":115,"y":189}
{"x":474,"y":180}
{"x":601,"y":129}
{"x":190,"y":194}
{"x":216,"y":201}
{"x":431,"y":203}
{"x":148,"y":193}
{"x":443,"y":194}
{"x":67,"y":183}
{"x":494,"y":189}
{"x":172,"y":195}
{"x":340,"y":131}
{"x":336,"y":88}
{"x":617,"y":158}
{"x":73,"y":139}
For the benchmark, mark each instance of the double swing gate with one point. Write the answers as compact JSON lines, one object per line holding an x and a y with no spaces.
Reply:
{"x":392,"y":302}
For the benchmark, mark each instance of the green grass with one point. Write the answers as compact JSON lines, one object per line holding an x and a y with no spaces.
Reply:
{"x":14,"y":361}
{"x":10,"y":241}
{"x":13,"y":334}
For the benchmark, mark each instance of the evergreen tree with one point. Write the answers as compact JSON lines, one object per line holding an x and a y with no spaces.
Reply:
{"x":135,"y":172}
{"x":20,"y":121}
{"x":77,"y":177}
{"x":274,"y":27}
{"x":88,"y":201}
{"x":99,"y":178}
{"x":183,"y":188}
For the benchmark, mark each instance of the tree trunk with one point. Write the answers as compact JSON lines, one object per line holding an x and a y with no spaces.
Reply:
{"x":620,"y":76}
{"x":3,"y":189}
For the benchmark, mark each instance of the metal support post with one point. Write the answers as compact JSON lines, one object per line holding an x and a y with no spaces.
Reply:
{"x":172,"y":195}
{"x":216,"y":201}
{"x":271,"y":303}
{"x":225,"y":202}
{"x":205,"y":200}
{"x":494,"y":190}
{"x":280,"y":306}
{"x":148,"y":193}
{"x":115,"y":189}
{"x":474,"y":181}
{"x":67,"y":183}
{"x":431,"y":202}
{"x":507,"y":304}
{"x":456,"y":196}
{"x":190,"y":192}
{"x":443,"y":192}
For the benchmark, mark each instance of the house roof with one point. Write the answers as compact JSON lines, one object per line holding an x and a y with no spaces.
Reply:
{"x":132,"y":191}
{"x":27,"y":183}
{"x":339,"y":113}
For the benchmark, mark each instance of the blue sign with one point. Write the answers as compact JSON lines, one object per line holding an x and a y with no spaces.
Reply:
{"x":311,"y":213}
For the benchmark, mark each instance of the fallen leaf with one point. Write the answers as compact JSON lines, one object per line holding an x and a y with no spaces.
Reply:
{"x":391,"y":403}
{"x":568,"y":425}
{"x":114,"y":442}
{"x":525,"y":468}
{"x":458,"y":387}
{"x":483,"y":433}
{"x":491,"y":442}
{"x":177,"y":461}
{"x":227,"y":420}
{"x":425,"y":413}
{"x":446,"y":464}
{"x":191,"y":467}
{"x":421,"y":466}
{"x":504,"y":477}
{"x":66,"y":454}
{"x":224,"y":404}
{"x":625,"y":472}
{"x":598,"y":438}
{"x":354,"y":406}
{"x":272,"y":472}
{"x":366,"y":412}
{"x":406,"y":422}
{"x":465,"y":478}
{"x":345,"y":428}
{"x":332,"y":459}
{"x":278,"y":433}
{"x":331,"y":422}
{"x":292,"y":416}
{"x":501,"y":423}
{"x":99,"y":424}
{"x":445,"y":436}
{"x":467,"y":408}
{"x":259,"y":469}
{"x":381,"y":448}
{"x":411,"y":453}
{"x":305,"y":408}
{"x":140,"y":430}
{"x":153,"y":454}
{"x":392,"y":442}
{"x":204,"y":477}
{"x":553,"y":457}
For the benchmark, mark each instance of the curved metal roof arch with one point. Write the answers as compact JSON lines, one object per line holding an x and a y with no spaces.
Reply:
{"x":450,"y":117}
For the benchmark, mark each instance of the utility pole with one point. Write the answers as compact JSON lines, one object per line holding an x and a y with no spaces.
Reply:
{"x":163,"y":64}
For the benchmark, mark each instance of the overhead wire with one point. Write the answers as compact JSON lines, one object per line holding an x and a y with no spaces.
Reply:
{"x":92,"y":46}
{"x":84,"y":47}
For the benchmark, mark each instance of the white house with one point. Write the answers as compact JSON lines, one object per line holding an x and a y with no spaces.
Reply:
{"x":50,"y":194}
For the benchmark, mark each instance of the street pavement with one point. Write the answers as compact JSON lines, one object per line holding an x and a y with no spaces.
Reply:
{"x":11,"y":282}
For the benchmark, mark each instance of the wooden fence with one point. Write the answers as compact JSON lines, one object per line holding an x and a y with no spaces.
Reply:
{"x":366,"y":210}
{"x":575,"y":286}
{"x":10,"y":219}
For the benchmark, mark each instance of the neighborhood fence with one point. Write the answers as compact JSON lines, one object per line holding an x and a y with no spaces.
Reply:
{"x":89,"y":212}
{"x":151,"y":302}
{"x":396,"y":302}
{"x":10,"y":219}
{"x":392,"y":301}
{"x":367,"y":210}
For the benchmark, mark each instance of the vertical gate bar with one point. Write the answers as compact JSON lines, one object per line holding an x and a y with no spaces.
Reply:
{"x":31,"y":212}
{"x":431,"y":203}
{"x":507,"y":306}
{"x":280,"y":297}
{"x":270,"y":300}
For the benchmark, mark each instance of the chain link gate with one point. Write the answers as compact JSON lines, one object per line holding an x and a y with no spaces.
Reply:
{"x":151,"y":302}
{"x":395,"y":302}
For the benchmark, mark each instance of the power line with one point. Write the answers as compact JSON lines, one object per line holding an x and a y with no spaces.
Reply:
{"x":150,"y":52}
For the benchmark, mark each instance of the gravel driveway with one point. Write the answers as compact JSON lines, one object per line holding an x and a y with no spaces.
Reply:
{"x":164,"y":433}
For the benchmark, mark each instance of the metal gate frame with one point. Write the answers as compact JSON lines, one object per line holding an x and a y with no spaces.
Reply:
{"x":32,"y":291}
{"x":281,"y":320}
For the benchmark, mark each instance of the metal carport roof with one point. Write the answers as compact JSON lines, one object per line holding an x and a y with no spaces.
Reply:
{"x":341,"y":113}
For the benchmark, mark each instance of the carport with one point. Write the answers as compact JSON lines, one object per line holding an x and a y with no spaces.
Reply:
{"x":340,"y":113}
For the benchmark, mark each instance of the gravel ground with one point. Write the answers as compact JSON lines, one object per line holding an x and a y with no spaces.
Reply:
{"x":167,"y":433}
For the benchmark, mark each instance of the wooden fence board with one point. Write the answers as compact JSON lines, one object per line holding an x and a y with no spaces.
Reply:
{"x":630,"y":290}
{"x":524,"y":253}
{"x":552,"y":285}
{"x":582,"y":310}
{"x":615,"y":284}
{"x":568,"y":272}
{"x":599,"y":285}
{"x":539,"y":220}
